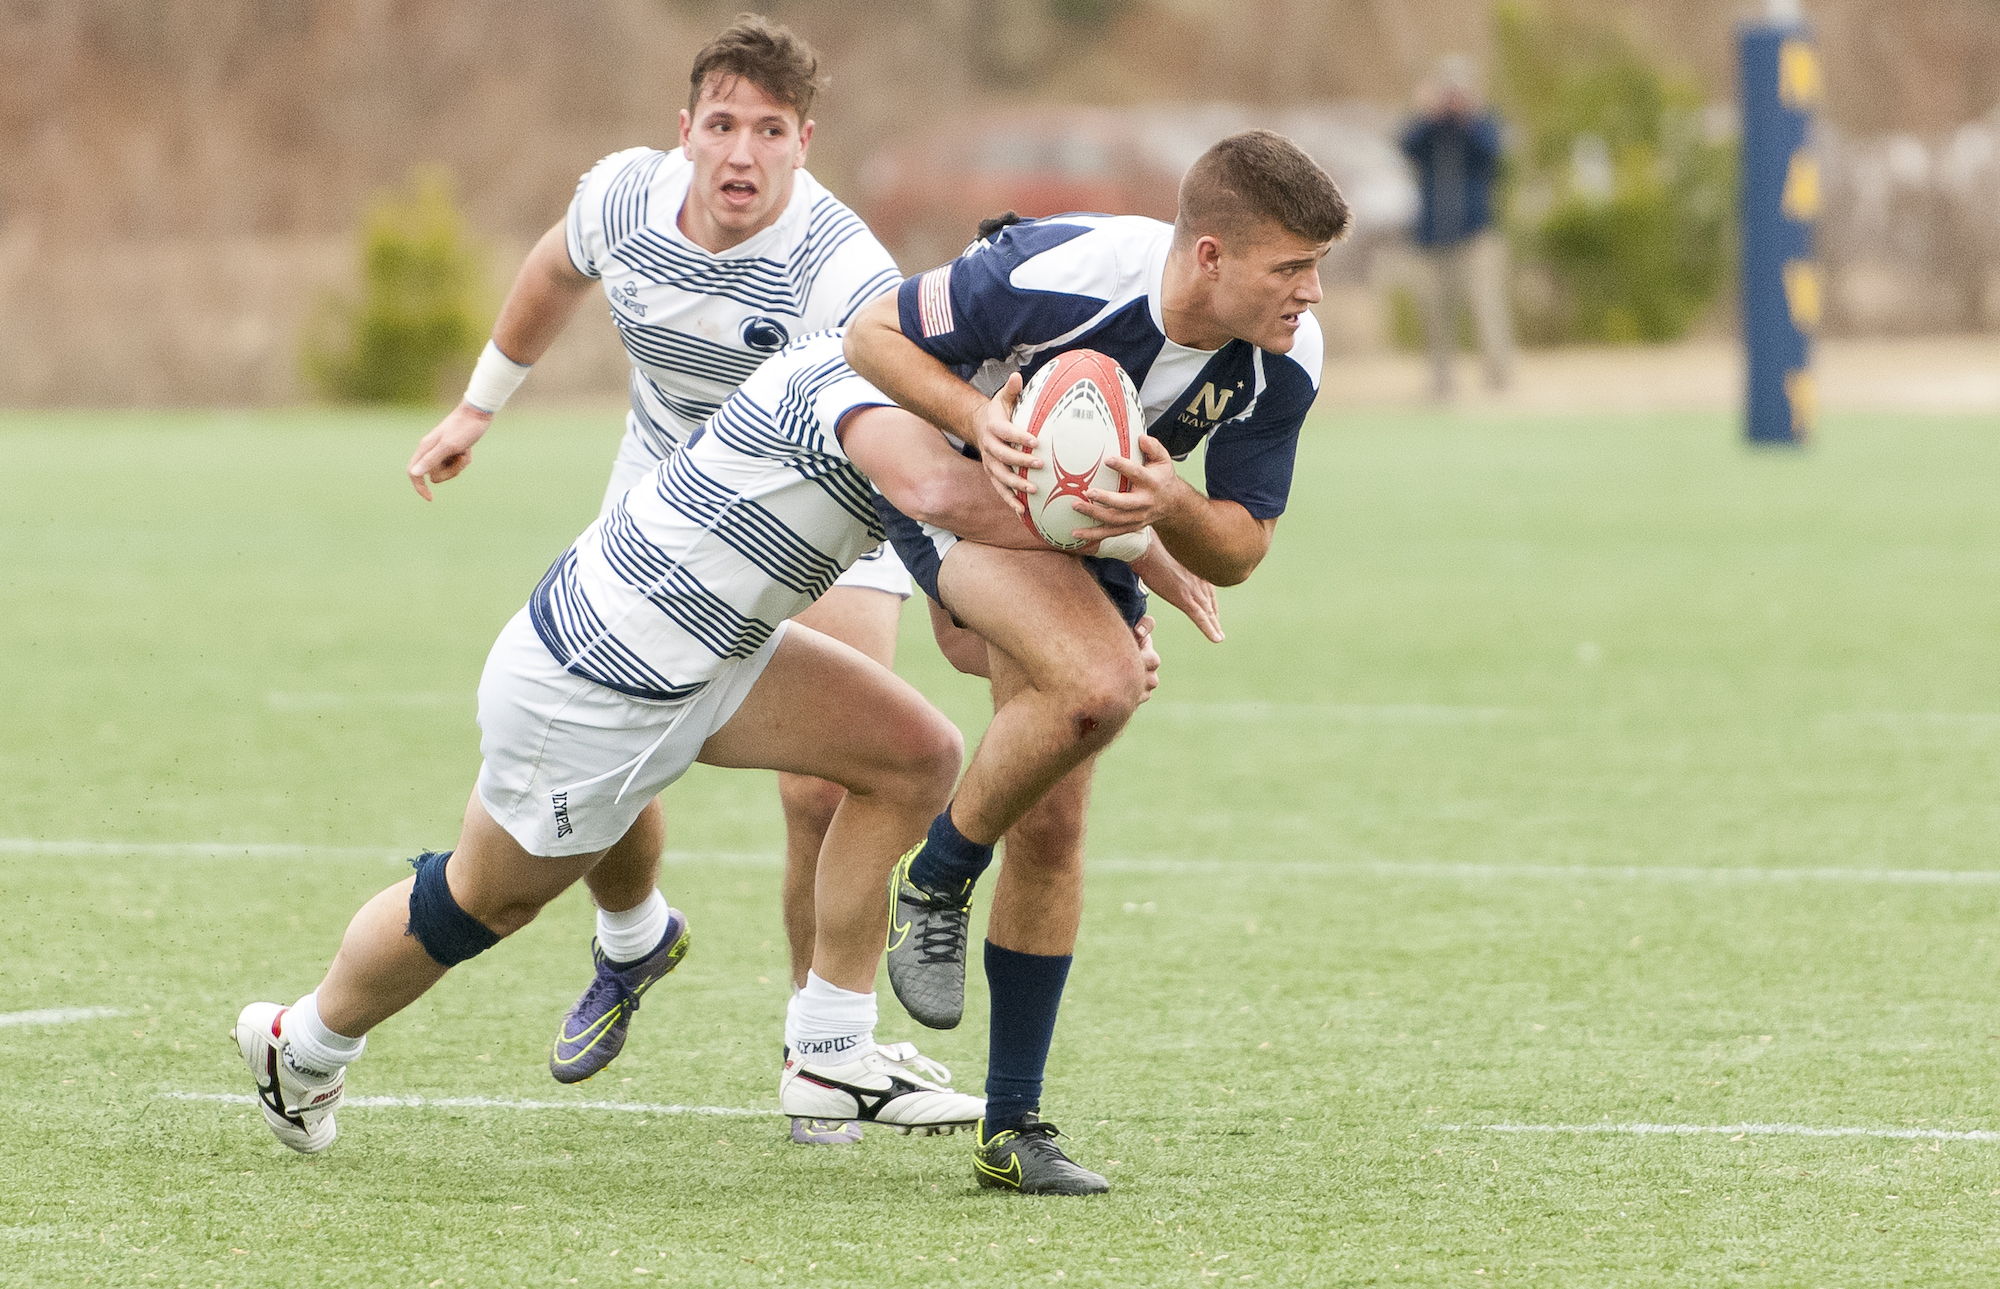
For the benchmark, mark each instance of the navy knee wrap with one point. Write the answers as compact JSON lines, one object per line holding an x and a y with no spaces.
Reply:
{"x":448,"y":933}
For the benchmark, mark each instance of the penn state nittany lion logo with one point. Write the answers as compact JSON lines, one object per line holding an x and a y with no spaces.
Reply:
{"x":765,"y":335}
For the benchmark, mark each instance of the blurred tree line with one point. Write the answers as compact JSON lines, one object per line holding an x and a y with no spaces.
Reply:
{"x":1620,"y":200}
{"x":1621,"y":189}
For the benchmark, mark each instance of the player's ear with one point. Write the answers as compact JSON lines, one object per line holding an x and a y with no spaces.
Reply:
{"x":805,"y":141}
{"x":1208,"y":255}
{"x":687,"y":124}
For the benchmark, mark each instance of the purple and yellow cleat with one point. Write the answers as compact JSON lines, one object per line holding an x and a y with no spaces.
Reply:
{"x":593,"y":1033}
{"x":825,"y":1132}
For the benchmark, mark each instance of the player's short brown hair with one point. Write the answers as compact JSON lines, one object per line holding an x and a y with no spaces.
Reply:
{"x":769,"y":56}
{"x":1253,"y":178}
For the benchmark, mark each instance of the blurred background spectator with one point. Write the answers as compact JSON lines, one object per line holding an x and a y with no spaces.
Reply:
{"x":1454,"y":146}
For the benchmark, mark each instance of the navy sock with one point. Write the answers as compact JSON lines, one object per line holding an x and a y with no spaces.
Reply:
{"x":948,"y":862}
{"x":1026,"y":989}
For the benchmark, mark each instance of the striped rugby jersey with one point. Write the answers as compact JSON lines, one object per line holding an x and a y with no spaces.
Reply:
{"x":1046,"y":286}
{"x":694,"y":323}
{"x":748,"y":523}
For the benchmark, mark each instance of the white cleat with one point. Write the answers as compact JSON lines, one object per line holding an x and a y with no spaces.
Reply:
{"x":894,"y":1085}
{"x":298,"y":1104}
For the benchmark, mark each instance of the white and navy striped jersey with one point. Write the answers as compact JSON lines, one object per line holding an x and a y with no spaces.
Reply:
{"x":1046,"y":286}
{"x":746,"y":524}
{"x":696,"y":323}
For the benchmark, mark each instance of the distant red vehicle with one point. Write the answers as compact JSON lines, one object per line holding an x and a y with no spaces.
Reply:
{"x":924,"y":198}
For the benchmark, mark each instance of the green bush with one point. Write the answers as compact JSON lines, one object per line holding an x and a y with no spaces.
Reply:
{"x":1643,"y":256}
{"x":419,"y":325}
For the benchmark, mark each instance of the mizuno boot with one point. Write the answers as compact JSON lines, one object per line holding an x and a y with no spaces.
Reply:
{"x":298,"y":1103}
{"x":910,"y":1095}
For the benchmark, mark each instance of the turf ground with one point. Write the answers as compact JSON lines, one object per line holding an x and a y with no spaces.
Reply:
{"x":1567,"y":775}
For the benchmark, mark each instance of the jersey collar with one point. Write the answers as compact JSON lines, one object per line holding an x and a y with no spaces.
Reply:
{"x":1156,"y":276}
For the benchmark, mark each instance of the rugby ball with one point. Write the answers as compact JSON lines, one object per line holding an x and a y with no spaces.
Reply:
{"x":1083,"y":411}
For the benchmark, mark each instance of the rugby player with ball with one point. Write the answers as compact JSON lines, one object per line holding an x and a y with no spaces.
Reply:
{"x":669,"y":633}
{"x":1210,"y":318}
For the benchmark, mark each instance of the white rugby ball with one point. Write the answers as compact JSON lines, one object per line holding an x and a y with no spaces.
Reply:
{"x":1083,"y":410}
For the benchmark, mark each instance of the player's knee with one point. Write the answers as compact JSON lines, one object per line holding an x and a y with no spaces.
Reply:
{"x":448,"y":933}
{"x":934,"y":752}
{"x":1103,"y":699}
{"x":809,"y":803}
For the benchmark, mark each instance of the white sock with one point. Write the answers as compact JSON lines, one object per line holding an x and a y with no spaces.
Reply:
{"x":313,"y":1050}
{"x":827,"y":1024}
{"x":629,"y":936}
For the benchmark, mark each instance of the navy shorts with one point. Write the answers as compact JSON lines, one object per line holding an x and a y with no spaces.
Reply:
{"x":920,"y":555}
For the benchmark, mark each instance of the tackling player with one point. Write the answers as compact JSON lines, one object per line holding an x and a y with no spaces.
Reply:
{"x":664,"y":635}
{"x":1211,"y":318}
{"x":713,"y":258}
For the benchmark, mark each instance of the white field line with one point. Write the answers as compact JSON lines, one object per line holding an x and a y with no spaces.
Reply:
{"x":185,"y":849}
{"x":33,"y":846}
{"x":1979,"y":722}
{"x":1683,"y":875}
{"x":492,"y":1103}
{"x":1354,"y":713}
{"x":57,"y":1015}
{"x":1719,"y":1130}
{"x":1160,"y":864}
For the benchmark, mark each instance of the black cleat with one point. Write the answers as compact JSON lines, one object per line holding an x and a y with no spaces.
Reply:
{"x":927,"y":934}
{"x":1025,"y":1158}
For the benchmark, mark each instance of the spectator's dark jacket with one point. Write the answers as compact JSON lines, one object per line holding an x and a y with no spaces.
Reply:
{"x":1457,"y":163}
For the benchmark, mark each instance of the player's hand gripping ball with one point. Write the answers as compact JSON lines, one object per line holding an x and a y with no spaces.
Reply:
{"x":1083,"y":410}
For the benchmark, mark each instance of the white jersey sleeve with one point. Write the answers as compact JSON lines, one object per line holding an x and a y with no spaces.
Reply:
{"x":610,"y":201}
{"x":848,"y":267}
{"x":857,"y":271}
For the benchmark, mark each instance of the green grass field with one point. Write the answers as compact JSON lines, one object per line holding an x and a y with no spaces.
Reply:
{"x":1560,"y":774}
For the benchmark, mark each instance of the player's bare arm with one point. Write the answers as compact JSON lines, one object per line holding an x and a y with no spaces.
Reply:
{"x":544,"y":297}
{"x":890,"y":361}
{"x":924,"y":478}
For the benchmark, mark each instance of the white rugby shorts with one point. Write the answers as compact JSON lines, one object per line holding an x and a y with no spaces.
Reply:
{"x":569,"y":764}
{"x":879,"y":570}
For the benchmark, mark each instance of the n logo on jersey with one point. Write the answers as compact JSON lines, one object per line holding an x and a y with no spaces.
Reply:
{"x":1209,"y":405}
{"x":1179,"y":431}
{"x":765,"y":335}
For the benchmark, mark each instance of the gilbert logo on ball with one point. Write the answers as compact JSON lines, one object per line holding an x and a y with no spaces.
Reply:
{"x":1083,"y":411}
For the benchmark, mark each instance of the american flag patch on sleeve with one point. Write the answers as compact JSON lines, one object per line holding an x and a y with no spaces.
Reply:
{"x":934,"y":302}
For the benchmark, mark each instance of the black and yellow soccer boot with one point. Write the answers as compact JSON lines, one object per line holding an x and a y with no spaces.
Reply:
{"x":1025,"y":1158}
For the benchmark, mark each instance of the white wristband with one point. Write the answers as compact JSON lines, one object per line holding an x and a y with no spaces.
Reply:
{"x":494,"y":380}
{"x":1126,"y":546}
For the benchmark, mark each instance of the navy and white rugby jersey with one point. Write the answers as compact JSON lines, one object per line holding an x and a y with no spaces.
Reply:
{"x":1047,"y":286}
{"x":696,"y":323}
{"x":748,"y":523}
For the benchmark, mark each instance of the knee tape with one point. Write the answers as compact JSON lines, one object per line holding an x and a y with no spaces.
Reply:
{"x":448,"y":933}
